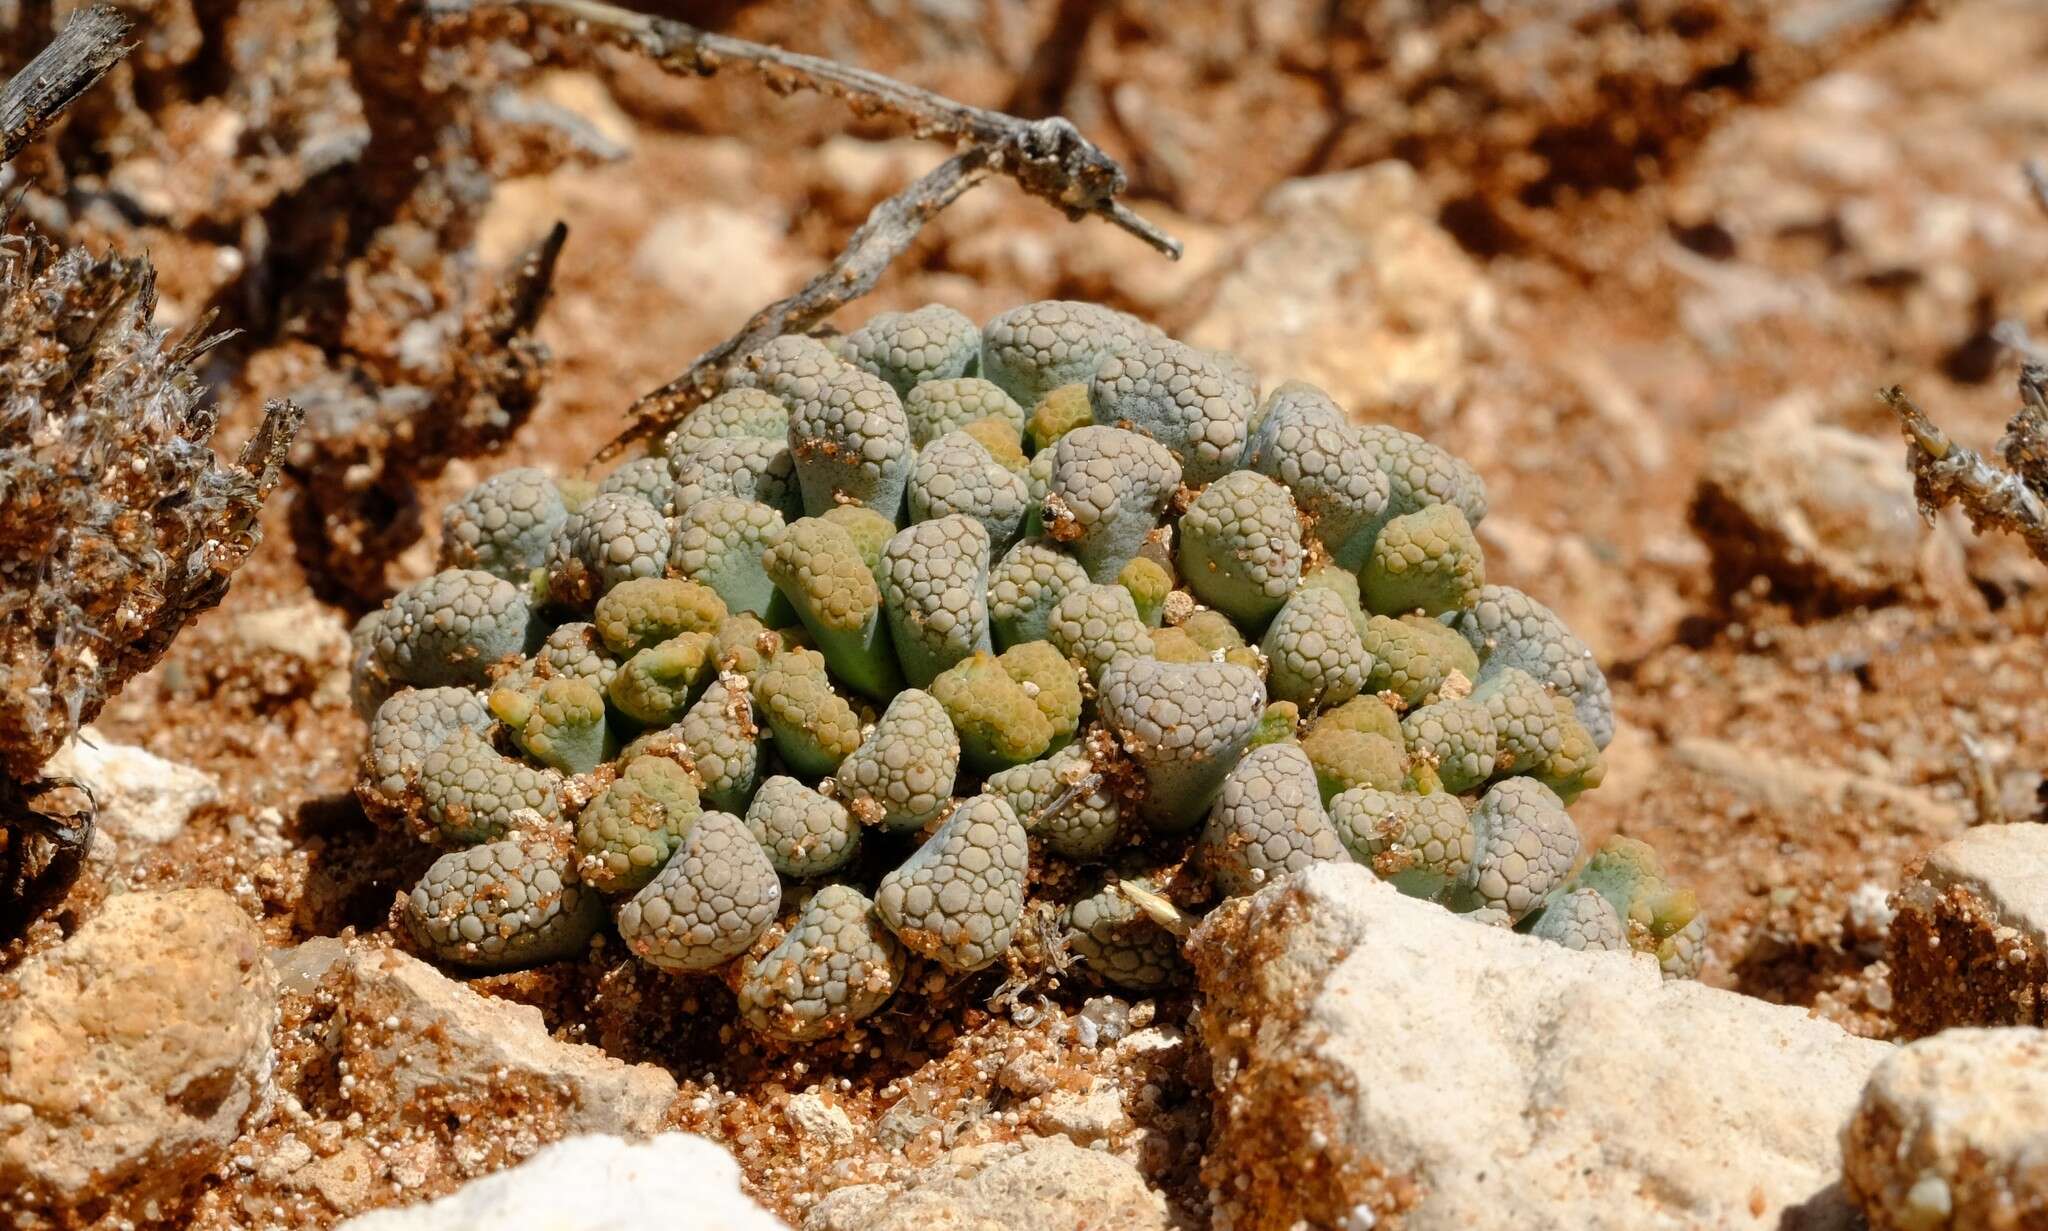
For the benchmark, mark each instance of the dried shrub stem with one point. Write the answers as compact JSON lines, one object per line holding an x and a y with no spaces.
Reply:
{"x":83,"y":51}
{"x":888,"y":229}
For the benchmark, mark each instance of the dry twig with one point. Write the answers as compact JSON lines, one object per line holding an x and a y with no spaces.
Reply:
{"x":881,"y":238}
{"x":1944,"y":472}
{"x":1982,"y":784}
{"x":2012,"y":334}
{"x":83,"y":51}
{"x":2015,"y":498}
{"x":2036,"y":172}
{"x":1048,"y":158}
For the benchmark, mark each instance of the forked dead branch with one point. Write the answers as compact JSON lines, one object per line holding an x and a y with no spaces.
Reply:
{"x":1049,"y":159}
{"x":2014,"y":498}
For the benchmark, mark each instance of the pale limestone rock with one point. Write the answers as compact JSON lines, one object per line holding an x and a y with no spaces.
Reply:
{"x":1398,"y":1059}
{"x":849,"y":1207}
{"x":1085,"y":1118}
{"x":1950,"y":1134}
{"x":1825,"y":512}
{"x":818,"y":1120}
{"x":309,"y":631}
{"x":419,"y":1044}
{"x":295,"y":649}
{"x":131,"y":1057}
{"x":1966,"y":946}
{"x":726,"y":262}
{"x":142,"y":798}
{"x":2006,"y":866}
{"x":345,"y":1179}
{"x":596,"y":1183}
{"x":1040,"y":1184}
{"x":1794,"y":786}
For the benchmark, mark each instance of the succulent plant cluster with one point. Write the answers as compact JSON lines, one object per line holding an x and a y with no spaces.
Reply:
{"x":910,"y":628}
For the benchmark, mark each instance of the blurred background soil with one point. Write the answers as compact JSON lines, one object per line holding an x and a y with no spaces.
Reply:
{"x":1645,"y":265}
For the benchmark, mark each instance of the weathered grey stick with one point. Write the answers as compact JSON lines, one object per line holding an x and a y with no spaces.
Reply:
{"x":83,"y":51}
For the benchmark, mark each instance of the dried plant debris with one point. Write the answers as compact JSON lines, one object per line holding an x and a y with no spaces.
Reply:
{"x":336,"y":231}
{"x":908,"y":744}
{"x":45,"y":830}
{"x":83,"y":51}
{"x":343,"y":221}
{"x":369,"y":445}
{"x":268,"y":70}
{"x":405,"y":352}
{"x":2013,"y":498}
{"x":1047,"y":158}
{"x":117,"y":522}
